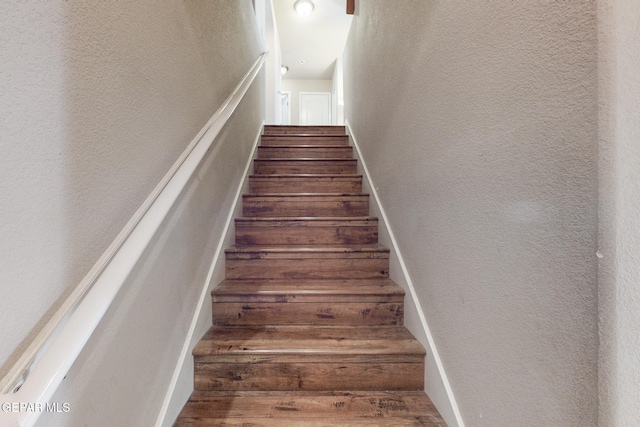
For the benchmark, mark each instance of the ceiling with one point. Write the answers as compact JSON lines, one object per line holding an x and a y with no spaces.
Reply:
{"x":317,"y":39}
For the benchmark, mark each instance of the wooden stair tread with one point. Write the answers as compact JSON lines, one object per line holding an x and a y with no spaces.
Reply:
{"x":306,"y":230}
{"x":339,"y":421}
{"x":304,"y":129}
{"x":318,"y":140}
{"x":364,"y":261}
{"x":310,"y":250}
{"x":305,"y":151}
{"x":307,"y":326}
{"x":266,"y":341}
{"x":319,"y":408}
{"x":303,"y":135}
{"x":313,"y":196}
{"x":305,"y":182}
{"x":298,"y":146}
{"x":205,"y":394}
{"x":307,"y":159}
{"x":310,"y":220}
{"x":305,"y":204}
{"x":342,"y":176}
{"x":306,"y":165}
{"x":306,"y":196}
{"x":305,"y":138}
{"x":296,"y":291}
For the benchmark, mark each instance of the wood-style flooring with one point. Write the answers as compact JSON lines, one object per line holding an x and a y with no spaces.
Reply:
{"x":307,"y":326}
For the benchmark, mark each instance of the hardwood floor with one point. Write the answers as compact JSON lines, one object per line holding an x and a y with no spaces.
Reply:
{"x":307,"y":326}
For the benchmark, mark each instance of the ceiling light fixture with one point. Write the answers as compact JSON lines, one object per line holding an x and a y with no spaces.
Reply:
{"x":284,"y":69}
{"x":304,"y":7}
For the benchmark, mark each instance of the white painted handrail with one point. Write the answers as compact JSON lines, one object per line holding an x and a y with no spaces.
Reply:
{"x":36,"y":375}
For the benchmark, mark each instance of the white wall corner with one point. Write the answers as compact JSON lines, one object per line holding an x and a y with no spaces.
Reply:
{"x":181,"y":384}
{"x":437,"y":385}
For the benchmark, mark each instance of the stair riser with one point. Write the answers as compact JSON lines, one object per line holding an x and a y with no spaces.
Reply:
{"x":304,"y":130}
{"x":285,"y":152}
{"x":264,"y":184}
{"x":309,"y":376}
{"x":339,"y":206}
{"x":308,"y":291}
{"x":283,"y":167}
{"x":310,"y":268}
{"x":284,"y":140}
{"x":304,"y":358}
{"x":281,"y":418}
{"x":316,"y":298}
{"x":255,"y":234}
{"x":317,"y":407}
{"x":316,"y":313}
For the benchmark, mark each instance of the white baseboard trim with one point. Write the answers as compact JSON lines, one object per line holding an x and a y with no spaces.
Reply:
{"x":165,"y":416}
{"x":452,"y":410}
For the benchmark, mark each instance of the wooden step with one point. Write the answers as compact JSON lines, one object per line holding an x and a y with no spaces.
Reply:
{"x":308,"y":183}
{"x":269,"y":343}
{"x":304,"y":130}
{"x":305,"y":205}
{"x":293,"y":358}
{"x":308,"y":302}
{"x":288,"y":140}
{"x":305,"y":166}
{"x":306,"y":231}
{"x":305,"y":291}
{"x":307,"y":326}
{"x":396,"y":421}
{"x":305,"y":152}
{"x":314,"y":262}
{"x":277,"y":409}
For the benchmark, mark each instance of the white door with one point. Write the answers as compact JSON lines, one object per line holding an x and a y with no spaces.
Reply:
{"x":315,"y":108}
{"x":285,"y":111}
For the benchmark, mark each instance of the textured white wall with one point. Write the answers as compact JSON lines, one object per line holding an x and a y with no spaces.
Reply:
{"x":478,"y":121}
{"x":97,"y":100}
{"x":273,"y":68}
{"x":337,"y":94}
{"x":122,"y":376}
{"x":619,"y":213}
{"x":296,"y":86}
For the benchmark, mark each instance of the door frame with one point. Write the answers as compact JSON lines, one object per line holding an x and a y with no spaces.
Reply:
{"x":288,"y":93}
{"x":314,"y":93}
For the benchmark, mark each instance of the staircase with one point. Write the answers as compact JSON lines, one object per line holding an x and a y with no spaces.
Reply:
{"x":307,"y":327}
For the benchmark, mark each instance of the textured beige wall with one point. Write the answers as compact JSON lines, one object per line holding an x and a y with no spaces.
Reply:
{"x":97,"y":100}
{"x":619,"y":213}
{"x":122,"y":376}
{"x":478,"y":121}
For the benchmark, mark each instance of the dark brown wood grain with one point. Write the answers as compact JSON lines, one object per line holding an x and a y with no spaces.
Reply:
{"x":306,"y":231}
{"x":275,"y":409}
{"x":304,"y":166}
{"x":314,"y":262}
{"x":307,"y":326}
{"x":305,"y":205}
{"x":309,"y":376}
{"x":307,"y":290}
{"x":304,"y":130}
{"x":293,"y":139}
{"x":310,"y":313}
{"x":305,"y":152}
{"x":305,"y":183}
